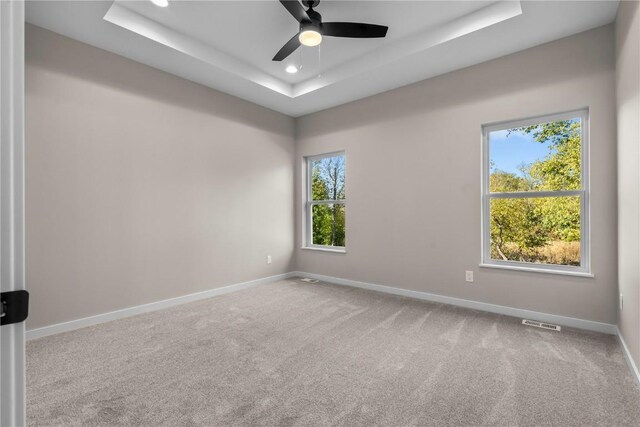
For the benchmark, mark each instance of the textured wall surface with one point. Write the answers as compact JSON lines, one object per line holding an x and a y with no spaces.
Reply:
{"x":413,"y":158}
{"x":628,"y":108}
{"x":142,"y":186}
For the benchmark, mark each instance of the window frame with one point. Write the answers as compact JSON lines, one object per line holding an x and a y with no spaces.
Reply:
{"x":585,"y":230}
{"x":309,"y":203}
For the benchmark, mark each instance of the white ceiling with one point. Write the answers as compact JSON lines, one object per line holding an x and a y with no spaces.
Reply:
{"x":254,"y":31}
{"x":228,"y":45}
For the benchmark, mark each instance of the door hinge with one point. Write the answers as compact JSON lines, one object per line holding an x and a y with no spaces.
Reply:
{"x":14,"y":307}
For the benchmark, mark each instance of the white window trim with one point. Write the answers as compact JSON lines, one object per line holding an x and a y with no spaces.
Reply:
{"x":584,"y":270}
{"x":307,"y":242}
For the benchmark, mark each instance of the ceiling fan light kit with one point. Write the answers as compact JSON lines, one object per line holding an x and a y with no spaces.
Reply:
{"x":310,"y":37}
{"x":312,"y":29}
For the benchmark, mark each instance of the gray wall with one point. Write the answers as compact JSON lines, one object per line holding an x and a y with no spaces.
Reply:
{"x":141,"y":186}
{"x":628,"y":108}
{"x":413,"y":177}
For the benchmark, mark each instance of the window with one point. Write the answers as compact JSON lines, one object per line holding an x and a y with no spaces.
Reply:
{"x":536,"y":194}
{"x":326,"y":202}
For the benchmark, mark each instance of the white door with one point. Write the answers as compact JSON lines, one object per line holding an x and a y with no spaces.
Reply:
{"x":12,"y":380}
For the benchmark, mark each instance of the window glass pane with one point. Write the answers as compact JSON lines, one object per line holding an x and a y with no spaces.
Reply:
{"x":544,"y":157}
{"x":543,"y":230}
{"x":328,"y":224}
{"x":327,"y":178}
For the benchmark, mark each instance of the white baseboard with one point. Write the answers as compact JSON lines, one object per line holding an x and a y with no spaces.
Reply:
{"x":132,"y":311}
{"x":627,"y":356}
{"x":476,"y":305}
{"x":492,"y":308}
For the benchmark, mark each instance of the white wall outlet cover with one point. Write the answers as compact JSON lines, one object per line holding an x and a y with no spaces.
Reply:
{"x":268,"y":259}
{"x":469,"y":276}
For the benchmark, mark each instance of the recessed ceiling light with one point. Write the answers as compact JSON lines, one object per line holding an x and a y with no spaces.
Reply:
{"x":291,"y":69}
{"x":161,"y":3}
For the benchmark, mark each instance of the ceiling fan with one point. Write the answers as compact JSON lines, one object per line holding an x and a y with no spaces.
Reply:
{"x":312,"y":28}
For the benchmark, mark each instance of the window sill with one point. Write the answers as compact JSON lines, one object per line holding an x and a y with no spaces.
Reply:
{"x":321,"y":249}
{"x":538,"y":270}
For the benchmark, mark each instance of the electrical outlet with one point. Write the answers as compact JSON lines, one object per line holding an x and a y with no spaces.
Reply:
{"x":469,"y":276}
{"x":621,"y":303}
{"x":268,"y":259}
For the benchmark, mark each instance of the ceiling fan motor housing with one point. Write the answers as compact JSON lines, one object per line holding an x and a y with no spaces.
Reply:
{"x":313,"y":23}
{"x":312,"y":29}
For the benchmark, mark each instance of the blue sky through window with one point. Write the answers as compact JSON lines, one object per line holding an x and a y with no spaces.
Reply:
{"x":507,"y":152}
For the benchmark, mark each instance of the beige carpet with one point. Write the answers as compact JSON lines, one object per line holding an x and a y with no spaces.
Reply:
{"x":292,"y":353}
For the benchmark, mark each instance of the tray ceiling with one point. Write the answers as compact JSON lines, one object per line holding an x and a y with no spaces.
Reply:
{"x":228,"y":45}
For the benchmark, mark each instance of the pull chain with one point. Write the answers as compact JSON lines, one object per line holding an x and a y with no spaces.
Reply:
{"x":319,"y":61}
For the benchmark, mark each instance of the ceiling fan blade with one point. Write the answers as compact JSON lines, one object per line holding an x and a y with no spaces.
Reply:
{"x":353,"y":30}
{"x":295,"y":9}
{"x":288,"y":48}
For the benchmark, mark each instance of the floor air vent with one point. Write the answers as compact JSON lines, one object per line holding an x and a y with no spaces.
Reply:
{"x":309,"y":280}
{"x":541,"y":325}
